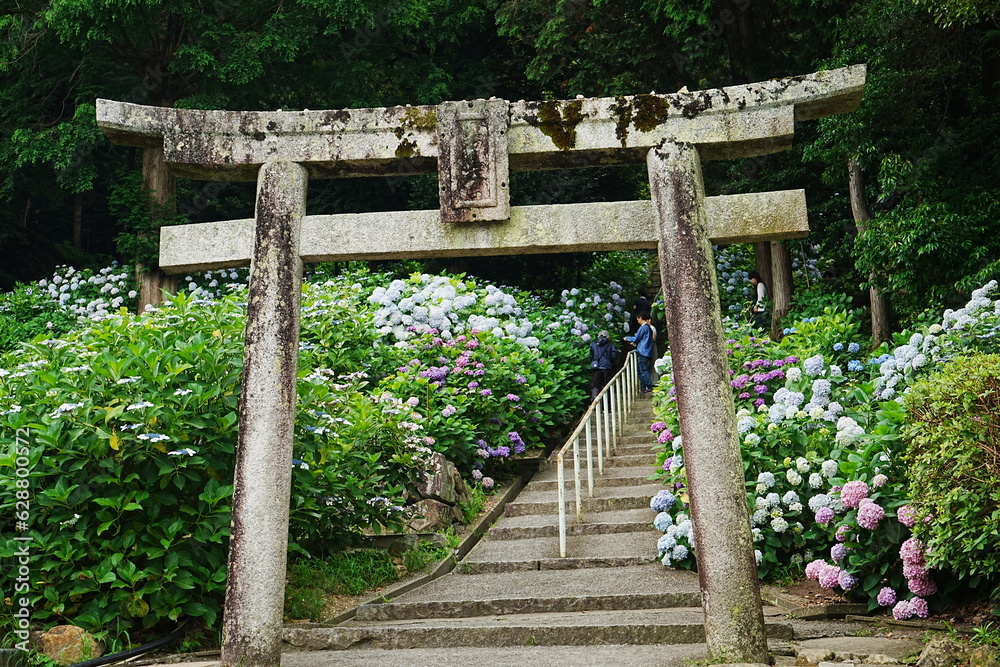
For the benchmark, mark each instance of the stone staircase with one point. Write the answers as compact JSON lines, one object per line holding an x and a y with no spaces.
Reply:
{"x":514,"y":601}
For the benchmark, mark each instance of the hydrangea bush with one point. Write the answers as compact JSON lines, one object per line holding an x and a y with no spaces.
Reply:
{"x":128,"y":428}
{"x":824,"y":460}
{"x":53,"y":306}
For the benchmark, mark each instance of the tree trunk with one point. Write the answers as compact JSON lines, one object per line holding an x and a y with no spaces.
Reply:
{"x":78,"y":221}
{"x":859,"y":207}
{"x":161,"y":186}
{"x":762,"y":260}
{"x":781,"y":285}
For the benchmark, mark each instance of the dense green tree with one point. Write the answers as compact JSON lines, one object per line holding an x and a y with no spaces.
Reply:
{"x":927,"y":136}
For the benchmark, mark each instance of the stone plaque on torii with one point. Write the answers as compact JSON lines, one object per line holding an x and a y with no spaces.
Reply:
{"x":473,"y":145}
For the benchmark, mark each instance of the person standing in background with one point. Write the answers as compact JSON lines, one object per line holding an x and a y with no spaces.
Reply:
{"x":646,"y":349}
{"x":640,"y":305}
{"x":758,"y":305}
{"x":603,"y":355}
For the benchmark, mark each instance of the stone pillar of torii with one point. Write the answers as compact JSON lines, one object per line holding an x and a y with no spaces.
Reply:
{"x":473,"y":145}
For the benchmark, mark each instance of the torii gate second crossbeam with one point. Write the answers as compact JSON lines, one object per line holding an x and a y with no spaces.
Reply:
{"x":473,"y":145}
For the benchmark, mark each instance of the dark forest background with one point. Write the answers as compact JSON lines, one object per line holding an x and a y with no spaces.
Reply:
{"x":924,"y":143}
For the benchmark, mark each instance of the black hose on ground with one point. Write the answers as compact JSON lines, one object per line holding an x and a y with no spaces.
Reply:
{"x":137,"y":651}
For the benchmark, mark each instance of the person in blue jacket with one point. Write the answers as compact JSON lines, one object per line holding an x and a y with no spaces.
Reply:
{"x":645,"y":346}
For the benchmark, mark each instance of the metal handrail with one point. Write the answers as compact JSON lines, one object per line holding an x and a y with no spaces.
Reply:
{"x":606,"y":416}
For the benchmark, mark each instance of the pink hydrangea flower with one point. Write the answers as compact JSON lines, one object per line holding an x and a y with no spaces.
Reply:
{"x":869,"y":514}
{"x":922,"y":586}
{"x":842,"y":532}
{"x":853,"y":493}
{"x":912,"y":551}
{"x":829,"y":577}
{"x":903,"y":610}
{"x":911,"y":570}
{"x":813,"y":569}
{"x":919,"y":606}
{"x":907,"y":515}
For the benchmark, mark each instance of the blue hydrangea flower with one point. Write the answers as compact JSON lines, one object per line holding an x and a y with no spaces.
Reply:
{"x":662,"y":501}
{"x":854,"y":364}
{"x":680,"y":552}
{"x":814,"y":365}
{"x":853,"y":348}
{"x":663,"y":521}
{"x":666,"y":543}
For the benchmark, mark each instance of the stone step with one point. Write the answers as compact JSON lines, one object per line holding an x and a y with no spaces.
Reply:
{"x":641,"y":448}
{"x":627,"y":460}
{"x":682,"y":625}
{"x":662,"y":655}
{"x":611,"y":473}
{"x":636,"y":515}
{"x":600,"y":481}
{"x":542,"y":553}
{"x":605,"y":499}
{"x":589,"y":528}
{"x":649,"y":586}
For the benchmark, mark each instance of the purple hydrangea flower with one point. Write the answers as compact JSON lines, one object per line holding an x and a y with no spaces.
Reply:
{"x":824,"y":515}
{"x":513,"y":397}
{"x":838,"y":552}
{"x":919,"y":606}
{"x":886,"y":597}
{"x":847,"y":581}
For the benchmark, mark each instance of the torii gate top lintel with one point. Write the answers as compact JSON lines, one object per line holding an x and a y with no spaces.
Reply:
{"x":730,"y":122}
{"x":473,"y":145}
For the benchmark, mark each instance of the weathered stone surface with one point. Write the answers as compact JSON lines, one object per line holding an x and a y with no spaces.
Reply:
{"x":943,"y":652}
{"x":600,"y":226}
{"x":737,"y":121}
{"x":68,"y":644}
{"x":443,"y":482}
{"x":319,"y":639}
{"x":262,"y":479}
{"x":734,"y":622}
{"x":871,"y":650}
{"x":473,"y":175}
{"x":433,"y":515}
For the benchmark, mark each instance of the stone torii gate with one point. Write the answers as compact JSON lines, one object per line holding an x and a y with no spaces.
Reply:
{"x":473,"y":145}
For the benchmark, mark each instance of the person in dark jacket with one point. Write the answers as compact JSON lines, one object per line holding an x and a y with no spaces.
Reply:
{"x":603,"y":355}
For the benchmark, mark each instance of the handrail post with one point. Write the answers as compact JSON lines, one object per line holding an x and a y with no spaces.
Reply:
{"x":576,"y":479}
{"x":590,"y":461}
{"x":602,"y":417}
{"x":560,"y":485}
{"x":615,"y":417}
{"x":607,"y":425}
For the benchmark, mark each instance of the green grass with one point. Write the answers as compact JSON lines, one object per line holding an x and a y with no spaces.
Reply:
{"x":344,"y":573}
